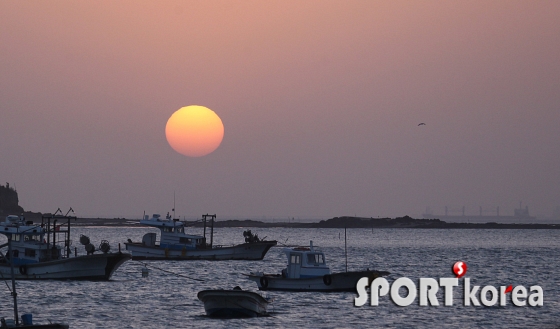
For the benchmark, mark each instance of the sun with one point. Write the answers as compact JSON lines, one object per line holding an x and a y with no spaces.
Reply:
{"x":194,"y":131}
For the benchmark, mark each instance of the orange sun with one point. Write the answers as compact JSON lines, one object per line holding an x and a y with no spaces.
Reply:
{"x":194,"y":131}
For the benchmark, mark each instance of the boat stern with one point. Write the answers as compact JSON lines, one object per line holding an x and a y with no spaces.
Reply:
{"x":257,"y":277}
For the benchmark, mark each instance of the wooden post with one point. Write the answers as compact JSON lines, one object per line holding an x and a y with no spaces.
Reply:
{"x":345,"y":252}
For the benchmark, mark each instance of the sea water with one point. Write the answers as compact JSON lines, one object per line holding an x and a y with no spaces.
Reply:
{"x":166,"y":297}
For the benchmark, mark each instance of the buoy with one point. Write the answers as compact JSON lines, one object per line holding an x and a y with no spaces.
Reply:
{"x":90,"y":249}
{"x":145,"y":272}
{"x":84,"y":239}
{"x":105,"y":246}
{"x":264,"y":282}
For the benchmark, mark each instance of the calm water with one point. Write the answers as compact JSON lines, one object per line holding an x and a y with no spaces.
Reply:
{"x":165,"y":300}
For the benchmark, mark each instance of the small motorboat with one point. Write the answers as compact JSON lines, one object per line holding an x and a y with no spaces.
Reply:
{"x":175,"y":244}
{"x":8,"y":323}
{"x":42,"y":251}
{"x":235,"y":303}
{"x":308,"y":271}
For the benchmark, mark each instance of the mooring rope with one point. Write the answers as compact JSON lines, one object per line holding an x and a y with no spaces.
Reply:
{"x":5,"y":279}
{"x":6,"y":282}
{"x":161,"y":269}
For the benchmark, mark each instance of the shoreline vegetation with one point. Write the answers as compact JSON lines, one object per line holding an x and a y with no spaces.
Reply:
{"x":336,"y":222}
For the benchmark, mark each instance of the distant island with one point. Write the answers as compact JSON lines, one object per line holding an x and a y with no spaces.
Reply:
{"x":9,"y":201}
{"x":336,"y":222}
{"x":9,"y":205}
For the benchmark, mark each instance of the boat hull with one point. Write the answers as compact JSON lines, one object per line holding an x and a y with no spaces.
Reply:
{"x":41,"y":326}
{"x":345,"y":281}
{"x":245,"y":251}
{"x":88,"y":267}
{"x":233,"y":303}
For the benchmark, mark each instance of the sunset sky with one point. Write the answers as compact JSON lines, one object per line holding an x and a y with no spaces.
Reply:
{"x":320,"y":102}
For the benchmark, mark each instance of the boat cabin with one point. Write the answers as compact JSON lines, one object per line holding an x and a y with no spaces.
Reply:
{"x":28,"y":242}
{"x":173,"y":234}
{"x":305,"y":262}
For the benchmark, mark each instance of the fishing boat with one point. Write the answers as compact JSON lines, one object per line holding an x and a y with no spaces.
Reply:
{"x":27,"y":319}
{"x":42,"y":251}
{"x":307,"y":270}
{"x":175,"y":244}
{"x":235,"y":303}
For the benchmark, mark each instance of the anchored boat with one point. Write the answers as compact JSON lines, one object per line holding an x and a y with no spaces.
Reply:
{"x":42,"y":251}
{"x":175,"y":244}
{"x":308,"y":271}
{"x":27,"y":319}
{"x":235,"y":303}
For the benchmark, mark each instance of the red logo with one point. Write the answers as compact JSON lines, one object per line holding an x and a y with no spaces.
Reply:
{"x":459,"y":269}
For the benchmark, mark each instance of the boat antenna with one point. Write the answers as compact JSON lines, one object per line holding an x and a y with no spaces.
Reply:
{"x":173,"y":205}
{"x":345,"y":252}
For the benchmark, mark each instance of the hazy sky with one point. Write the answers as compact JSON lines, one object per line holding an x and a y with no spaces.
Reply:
{"x":320,"y":101}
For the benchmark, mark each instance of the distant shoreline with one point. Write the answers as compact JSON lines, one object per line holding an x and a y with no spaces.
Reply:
{"x":336,"y":222}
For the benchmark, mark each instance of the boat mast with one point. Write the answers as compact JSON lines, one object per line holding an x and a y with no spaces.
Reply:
{"x":67,"y":238}
{"x":204,"y":218}
{"x":204,"y":232}
{"x":212,"y":231}
{"x":14,"y":293}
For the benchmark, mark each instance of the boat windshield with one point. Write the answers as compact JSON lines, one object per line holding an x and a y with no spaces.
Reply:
{"x":315,"y":259}
{"x":29,"y":237}
{"x":294,"y":259}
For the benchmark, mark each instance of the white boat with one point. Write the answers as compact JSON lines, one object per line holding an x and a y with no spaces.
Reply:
{"x":42,"y":251}
{"x":27,"y":319}
{"x":233,"y":303}
{"x":175,"y":244}
{"x":308,"y":271}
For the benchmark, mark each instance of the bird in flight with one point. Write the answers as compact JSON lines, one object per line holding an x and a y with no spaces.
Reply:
{"x":421,"y":124}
